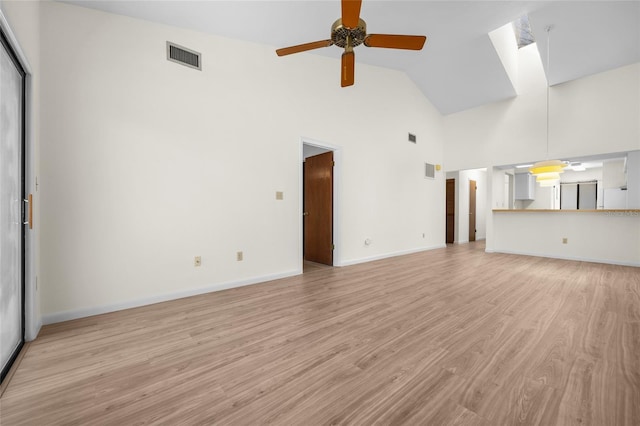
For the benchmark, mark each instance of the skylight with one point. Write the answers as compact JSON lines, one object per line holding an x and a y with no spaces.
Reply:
{"x":522,"y":29}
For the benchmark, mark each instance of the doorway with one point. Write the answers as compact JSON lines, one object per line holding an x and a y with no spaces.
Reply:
{"x":451,"y":211}
{"x":472,"y":210}
{"x":318,"y":208}
{"x":507,"y":193}
{"x":12,"y":207}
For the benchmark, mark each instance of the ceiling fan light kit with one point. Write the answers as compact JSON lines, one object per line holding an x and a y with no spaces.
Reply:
{"x":350,"y":31}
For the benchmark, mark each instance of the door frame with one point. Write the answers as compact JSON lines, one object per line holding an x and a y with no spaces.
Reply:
{"x":32,"y":316}
{"x":475,"y":210}
{"x":446,"y":214}
{"x":337,"y":197}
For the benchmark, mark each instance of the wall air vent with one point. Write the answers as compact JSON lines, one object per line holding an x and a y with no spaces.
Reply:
{"x":412,"y":138}
{"x":183,"y":56}
{"x":429,"y":171}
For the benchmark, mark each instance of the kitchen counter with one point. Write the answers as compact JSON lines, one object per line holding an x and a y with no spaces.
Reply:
{"x":604,"y":236}
{"x":631,"y":212}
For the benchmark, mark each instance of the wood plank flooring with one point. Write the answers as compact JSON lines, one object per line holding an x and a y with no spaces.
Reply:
{"x":446,"y":337}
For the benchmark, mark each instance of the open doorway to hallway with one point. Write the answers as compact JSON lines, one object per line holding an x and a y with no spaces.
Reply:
{"x":466,"y":206}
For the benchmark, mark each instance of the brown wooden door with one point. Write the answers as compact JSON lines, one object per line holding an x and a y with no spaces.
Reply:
{"x":318,"y":208}
{"x":451,"y":210}
{"x":472,"y":210}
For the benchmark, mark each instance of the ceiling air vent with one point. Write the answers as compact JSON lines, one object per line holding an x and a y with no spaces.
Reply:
{"x":429,"y":171}
{"x":183,"y":56}
{"x":412,"y":138}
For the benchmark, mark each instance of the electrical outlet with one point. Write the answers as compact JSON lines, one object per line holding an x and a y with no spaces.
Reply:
{"x":197,"y":261}
{"x":565,"y":240}
{"x":279,"y":195}
{"x":423,"y":235}
{"x":239,"y":256}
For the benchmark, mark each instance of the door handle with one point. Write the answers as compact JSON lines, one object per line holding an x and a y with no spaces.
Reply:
{"x":305,"y":214}
{"x":28,"y":211}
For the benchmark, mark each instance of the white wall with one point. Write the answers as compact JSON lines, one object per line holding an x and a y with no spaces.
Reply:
{"x":591,"y":174}
{"x":611,"y":237}
{"x":613,"y":173}
{"x":23,"y":23}
{"x":507,"y":49}
{"x":146,"y":164}
{"x":501,"y":198}
{"x":499,"y":192}
{"x":544,"y":199}
{"x":614,"y":178}
{"x":593,"y":115}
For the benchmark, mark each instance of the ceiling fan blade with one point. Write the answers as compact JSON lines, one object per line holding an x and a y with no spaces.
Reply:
{"x":351,"y":13}
{"x":394,"y":41}
{"x":303,"y":47}
{"x":348,"y":69}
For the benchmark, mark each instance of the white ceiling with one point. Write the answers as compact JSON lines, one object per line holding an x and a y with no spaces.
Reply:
{"x":458,"y":67}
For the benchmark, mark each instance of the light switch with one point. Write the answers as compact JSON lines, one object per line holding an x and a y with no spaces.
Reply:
{"x":279,"y":195}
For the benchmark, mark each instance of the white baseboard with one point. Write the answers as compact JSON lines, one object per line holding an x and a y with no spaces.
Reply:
{"x":468,"y":242}
{"x":387,"y":255}
{"x":574,"y":258}
{"x":97,"y":310}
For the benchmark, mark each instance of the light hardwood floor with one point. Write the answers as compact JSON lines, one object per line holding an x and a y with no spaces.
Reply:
{"x":447,"y":337}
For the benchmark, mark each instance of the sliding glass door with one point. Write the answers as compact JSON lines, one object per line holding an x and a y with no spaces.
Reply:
{"x":12,"y":165}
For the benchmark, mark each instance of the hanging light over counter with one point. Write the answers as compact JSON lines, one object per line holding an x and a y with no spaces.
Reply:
{"x":547,"y":172}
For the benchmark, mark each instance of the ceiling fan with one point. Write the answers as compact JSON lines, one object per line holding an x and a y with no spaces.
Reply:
{"x":351,"y":31}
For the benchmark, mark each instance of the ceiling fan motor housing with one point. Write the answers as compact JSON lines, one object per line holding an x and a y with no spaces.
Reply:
{"x":348,"y":37}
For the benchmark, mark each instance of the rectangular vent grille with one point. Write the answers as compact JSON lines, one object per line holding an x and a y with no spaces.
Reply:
{"x":412,"y":138}
{"x":182,"y":55}
{"x":429,"y":171}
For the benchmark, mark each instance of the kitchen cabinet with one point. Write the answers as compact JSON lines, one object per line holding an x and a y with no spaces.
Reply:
{"x":525,"y":186}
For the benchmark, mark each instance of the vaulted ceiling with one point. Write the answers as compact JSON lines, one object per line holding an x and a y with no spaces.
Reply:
{"x":458,"y":67}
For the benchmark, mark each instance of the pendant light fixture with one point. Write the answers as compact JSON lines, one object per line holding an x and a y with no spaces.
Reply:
{"x":547,"y":172}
